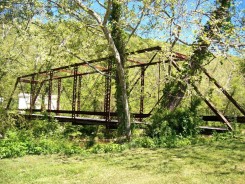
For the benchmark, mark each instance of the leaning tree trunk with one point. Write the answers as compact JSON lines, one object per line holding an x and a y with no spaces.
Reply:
{"x":121,"y":90}
{"x":174,"y":92}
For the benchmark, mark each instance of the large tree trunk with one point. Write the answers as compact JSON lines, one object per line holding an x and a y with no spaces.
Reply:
{"x":121,"y":88}
{"x":175,"y":91}
{"x":125,"y":119}
{"x":118,"y":56}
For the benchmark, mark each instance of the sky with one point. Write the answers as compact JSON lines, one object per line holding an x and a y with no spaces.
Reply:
{"x":189,"y":31}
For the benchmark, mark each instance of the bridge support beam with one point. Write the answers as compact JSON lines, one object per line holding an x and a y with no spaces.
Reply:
{"x":107,"y":100}
{"x":74,"y":95}
{"x":79,"y":93}
{"x":32,"y":93}
{"x":58,"y":95}
{"x":142,"y":76}
{"x":233,"y":101}
{"x":210,"y":105}
{"x":50,"y":88}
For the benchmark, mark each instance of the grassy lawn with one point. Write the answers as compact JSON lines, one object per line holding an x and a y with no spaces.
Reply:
{"x":213,"y":163}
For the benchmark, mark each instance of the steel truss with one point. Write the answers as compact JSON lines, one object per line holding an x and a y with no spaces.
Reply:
{"x":107,"y":116}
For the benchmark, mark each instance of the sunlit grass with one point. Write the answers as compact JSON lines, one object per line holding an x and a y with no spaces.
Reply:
{"x":212,"y":163}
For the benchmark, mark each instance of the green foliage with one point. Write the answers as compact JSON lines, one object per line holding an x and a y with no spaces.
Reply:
{"x":214,"y":163}
{"x":173,"y":128}
{"x":173,"y":141}
{"x":44,"y":127}
{"x":181,"y":122}
{"x":107,"y":148}
{"x":36,"y":137}
{"x":46,"y":44}
{"x":224,"y":136}
{"x":143,"y":142}
{"x":119,"y":38}
{"x":23,"y":142}
{"x":9,"y":120}
{"x":79,"y":131}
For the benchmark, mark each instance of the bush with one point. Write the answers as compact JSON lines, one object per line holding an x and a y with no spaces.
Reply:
{"x":8,"y":121}
{"x":180,"y":122}
{"x":107,"y":148}
{"x":20,"y":142}
{"x":142,"y":142}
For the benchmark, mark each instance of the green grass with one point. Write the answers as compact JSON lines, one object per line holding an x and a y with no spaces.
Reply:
{"x":212,"y":163}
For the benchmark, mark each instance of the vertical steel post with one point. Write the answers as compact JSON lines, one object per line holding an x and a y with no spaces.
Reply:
{"x":79,"y":93}
{"x":58,"y":96}
{"x":32,"y":93}
{"x":74,"y":95}
{"x":107,"y":100}
{"x":159,"y":80}
{"x":50,"y":86}
{"x":142,"y":83}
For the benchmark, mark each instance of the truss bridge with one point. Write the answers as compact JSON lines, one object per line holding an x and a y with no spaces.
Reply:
{"x":83,"y":93}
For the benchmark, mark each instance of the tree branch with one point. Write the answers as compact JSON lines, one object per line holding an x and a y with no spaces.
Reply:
{"x":100,"y":4}
{"x":66,"y":10}
{"x":136,"y":27}
{"x":108,"y":11}
{"x":90,"y":12}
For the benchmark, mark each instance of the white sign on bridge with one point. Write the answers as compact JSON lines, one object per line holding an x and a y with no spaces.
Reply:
{"x":24,"y":102}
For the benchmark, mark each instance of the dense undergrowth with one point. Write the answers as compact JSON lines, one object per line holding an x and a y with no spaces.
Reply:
{"x":21,"y":137}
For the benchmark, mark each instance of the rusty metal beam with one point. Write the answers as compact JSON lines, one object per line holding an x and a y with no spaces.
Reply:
{"x":12,"y":93}
{"x":210,"y":105}
{"x":142,"y":85}
{"x":233,"y":101}
{"x":238,"y":119}
{"x":76,"y":84}
{"x":74,"y":95}
{"x":28,"y":81}
{"x":75,"y":121}
{"x":32,"y":93}
{"x":58,"y":95}
{"x":94,"y":72}
{"x":180,"y":56}
{"x":134,"y":61}
{"x":38,"y":92}
{"x":99,"y":67}
{"x":79,"y":93}
{"x":157,"y":48}
{"x":142,"y":65}
{"x":107,"y":99}
{"x":50,"y":86}
{"x":90,"y":113}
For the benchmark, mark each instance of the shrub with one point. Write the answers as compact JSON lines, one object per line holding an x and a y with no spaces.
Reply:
{"x":41,"y":127}
{"x":8,"y":121}
{"x":107,"y":148}
{"x":22,"y":142}
{"x":143,"y":142}
{"x":179,"y":122}
{"x":182,"y":122}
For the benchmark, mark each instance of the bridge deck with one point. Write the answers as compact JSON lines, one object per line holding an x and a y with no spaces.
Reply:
{"x":114,"y":123}
{"x":76,"y":120}
{"x":238,"y":119}
{"x":209,"y":130}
